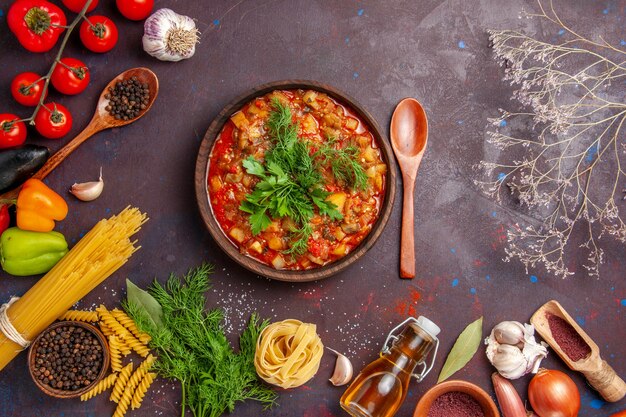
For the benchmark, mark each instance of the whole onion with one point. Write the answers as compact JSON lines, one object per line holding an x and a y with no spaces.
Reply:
{"x":553,"y":394}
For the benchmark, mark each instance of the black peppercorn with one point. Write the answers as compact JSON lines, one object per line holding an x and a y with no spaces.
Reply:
{"x":68,"y":358}
{"x":127,"y":98}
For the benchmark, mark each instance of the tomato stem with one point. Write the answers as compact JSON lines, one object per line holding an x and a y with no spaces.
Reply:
{"x":7,"y":125}
{"x":88,"y":21}
{"x":77,"y":71}
{"x":25,"y":89}
{"x":98,"y":29}
{"x":56,"y":116}
{"x":57,"y":59}
{"x":37,"y":20}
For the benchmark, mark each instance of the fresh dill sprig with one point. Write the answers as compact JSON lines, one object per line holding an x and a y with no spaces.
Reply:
{"x":192,"y":347}
{"x":344,"y":164}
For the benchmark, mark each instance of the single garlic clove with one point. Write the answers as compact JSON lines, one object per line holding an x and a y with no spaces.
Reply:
{"x":88,"y":191}
{"x":509,"y":332}
{"x":509,"y":361}
{"x":343,"y":370}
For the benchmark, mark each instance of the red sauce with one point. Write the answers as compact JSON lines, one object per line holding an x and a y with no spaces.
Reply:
{"x":318,"y":117}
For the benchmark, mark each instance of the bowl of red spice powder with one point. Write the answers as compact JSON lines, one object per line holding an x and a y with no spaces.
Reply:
{"x":456,"y":399}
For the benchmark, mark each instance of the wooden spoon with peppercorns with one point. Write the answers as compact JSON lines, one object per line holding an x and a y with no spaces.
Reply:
{"x":599,"y":374}
{"x":140,"y":79}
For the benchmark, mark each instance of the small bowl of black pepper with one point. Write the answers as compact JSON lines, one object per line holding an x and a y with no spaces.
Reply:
{"x":68,"y":359}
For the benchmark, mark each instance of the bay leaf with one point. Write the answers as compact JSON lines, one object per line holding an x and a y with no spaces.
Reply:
{"x":147,"y":302}
{"x":463,"y":350}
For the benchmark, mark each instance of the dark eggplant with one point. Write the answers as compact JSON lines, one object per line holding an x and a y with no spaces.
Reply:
{"x":19,"y":164}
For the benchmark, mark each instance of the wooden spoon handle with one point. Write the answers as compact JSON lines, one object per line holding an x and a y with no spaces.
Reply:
{"x":94,"y":127}
{"x":69,"y":147}
{"x":606,"y":382}
{"x":407,"y":244}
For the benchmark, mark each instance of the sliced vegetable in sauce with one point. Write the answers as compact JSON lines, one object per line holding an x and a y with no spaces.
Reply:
{"x":295,"y":179}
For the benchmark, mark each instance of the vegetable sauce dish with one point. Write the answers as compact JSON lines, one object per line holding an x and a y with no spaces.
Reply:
{"x":294,"y":182}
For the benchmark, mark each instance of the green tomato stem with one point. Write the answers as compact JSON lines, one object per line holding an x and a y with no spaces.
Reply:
{"x":37,"y":20}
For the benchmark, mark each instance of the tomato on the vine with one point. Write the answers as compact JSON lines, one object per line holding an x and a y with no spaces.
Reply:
{"x":77,"y":5}
{"x":37,"y":24}
{"x":135,"y":9}
{"x":26,"y":88}
{"x":70,"y":76}
{"x":12,"y":131}
{"x":98,"y":33}
{"x":53,"y":120}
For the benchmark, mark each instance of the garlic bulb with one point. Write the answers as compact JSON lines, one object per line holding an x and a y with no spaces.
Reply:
{"x":169,"y":36}
{"x":88,"y":191}
{"x":513,"y":350}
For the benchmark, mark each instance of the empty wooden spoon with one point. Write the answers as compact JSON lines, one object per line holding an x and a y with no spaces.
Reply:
{"x":101,"y":120}
{"x":599,"y":373}
{"x":409,"y":134}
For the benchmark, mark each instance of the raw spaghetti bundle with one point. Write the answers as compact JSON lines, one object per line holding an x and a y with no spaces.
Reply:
{"x":288,"y":353}
{"x":94,"y":258}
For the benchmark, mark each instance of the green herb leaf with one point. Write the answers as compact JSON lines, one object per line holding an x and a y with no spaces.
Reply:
{"x":145,"y":301}
{"x":463,"y":350}
{"x":344,"y":164}
{"x":300,"y":240}
{"x":259,"y":221}
{"x":254,"y":167}
{"x":325,"y":207}
{"x":247,"y":207}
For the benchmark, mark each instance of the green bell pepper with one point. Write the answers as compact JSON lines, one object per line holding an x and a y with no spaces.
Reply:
{"x":24,"y":253}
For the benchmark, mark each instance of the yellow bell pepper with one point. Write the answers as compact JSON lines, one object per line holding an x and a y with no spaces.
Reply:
{"x":38,"y":206}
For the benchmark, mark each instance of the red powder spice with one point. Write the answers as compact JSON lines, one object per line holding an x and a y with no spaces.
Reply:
{"x":455,"y":404}
{"x":567,"y":338}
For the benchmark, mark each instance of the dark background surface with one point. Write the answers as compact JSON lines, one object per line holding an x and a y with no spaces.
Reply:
{"x":378,"y":52}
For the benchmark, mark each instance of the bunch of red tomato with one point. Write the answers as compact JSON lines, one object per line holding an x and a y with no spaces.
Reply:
{"x":38,"y":24}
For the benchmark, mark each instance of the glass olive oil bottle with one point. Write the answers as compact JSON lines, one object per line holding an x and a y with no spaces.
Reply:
{"x":381,"y":387}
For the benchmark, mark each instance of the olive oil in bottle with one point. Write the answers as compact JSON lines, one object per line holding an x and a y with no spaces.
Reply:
{"x":381,"y":387}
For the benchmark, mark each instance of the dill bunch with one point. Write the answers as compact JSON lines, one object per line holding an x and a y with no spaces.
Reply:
{"x":192,"y":347}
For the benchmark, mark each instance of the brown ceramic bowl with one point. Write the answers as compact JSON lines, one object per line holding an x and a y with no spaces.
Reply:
{"x":62,"y":393}
{"x":202,"y":192}
{"x":485,"y":401}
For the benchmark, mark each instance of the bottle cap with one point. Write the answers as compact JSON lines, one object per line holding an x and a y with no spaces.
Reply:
{"x":430,"y":327}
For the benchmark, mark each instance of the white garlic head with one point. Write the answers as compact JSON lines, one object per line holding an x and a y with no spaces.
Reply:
{"x":513,"y":350}
{"x":169,"y":36}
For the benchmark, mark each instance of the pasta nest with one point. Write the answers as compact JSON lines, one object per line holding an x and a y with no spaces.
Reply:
{"x":288,"y":353}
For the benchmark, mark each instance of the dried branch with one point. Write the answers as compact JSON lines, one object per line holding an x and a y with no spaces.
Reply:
{"x":574,"y":146}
